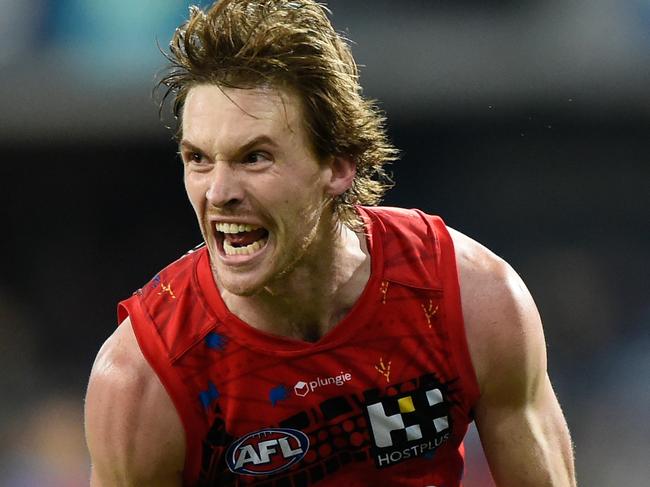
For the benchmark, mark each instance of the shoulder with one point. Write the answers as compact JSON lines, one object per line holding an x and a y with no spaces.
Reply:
{"x":132,"y":429}
{"x":503,"y":327}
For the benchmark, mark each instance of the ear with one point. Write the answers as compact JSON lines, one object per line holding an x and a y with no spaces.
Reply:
{"x":341,"y":174}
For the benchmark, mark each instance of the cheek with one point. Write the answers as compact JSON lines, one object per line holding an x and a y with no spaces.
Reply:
{"x":196,"y":197}
{"x":192,"y":188}
{"x":308,"y":188}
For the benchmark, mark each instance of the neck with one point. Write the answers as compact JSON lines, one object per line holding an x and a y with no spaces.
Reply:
{"x":316,"y":294}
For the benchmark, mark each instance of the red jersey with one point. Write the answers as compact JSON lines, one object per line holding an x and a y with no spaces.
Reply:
{"x":384,"y":398}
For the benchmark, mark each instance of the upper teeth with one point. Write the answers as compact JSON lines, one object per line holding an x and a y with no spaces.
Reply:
{"x":235,"y":227}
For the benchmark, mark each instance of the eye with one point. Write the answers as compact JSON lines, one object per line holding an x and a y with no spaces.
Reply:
{"x":256,"y":158}
{"x":191,"y":157}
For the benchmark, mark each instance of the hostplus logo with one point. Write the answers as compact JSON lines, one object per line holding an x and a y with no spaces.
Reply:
{"x":303,"y":388}
{"x":408,"y":425}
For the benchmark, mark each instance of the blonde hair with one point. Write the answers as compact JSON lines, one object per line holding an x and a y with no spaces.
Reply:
{"x":289,"y":43}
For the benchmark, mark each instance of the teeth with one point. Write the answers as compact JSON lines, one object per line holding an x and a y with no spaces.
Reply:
{"x":235,"y":227}
{"x":248,"y":249}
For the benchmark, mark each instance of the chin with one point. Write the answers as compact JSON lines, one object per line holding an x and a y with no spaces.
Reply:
{"x":243,"y":290}
{"x":239,"y":284}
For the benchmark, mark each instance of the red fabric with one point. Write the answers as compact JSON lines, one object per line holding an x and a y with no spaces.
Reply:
{"x":400,"y":355}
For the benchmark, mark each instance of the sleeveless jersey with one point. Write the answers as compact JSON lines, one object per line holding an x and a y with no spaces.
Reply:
{"x":384,"y":398}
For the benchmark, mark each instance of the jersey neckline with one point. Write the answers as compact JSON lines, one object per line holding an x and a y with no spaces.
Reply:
{"x":266,"y":342}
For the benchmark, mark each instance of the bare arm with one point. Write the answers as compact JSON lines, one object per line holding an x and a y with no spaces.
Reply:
{"x":133,"y":432}
{"x":524,"y":435}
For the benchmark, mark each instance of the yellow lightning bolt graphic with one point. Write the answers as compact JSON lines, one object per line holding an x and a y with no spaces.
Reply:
{"x":166,"y":289}
{"x":429,"y":311}
{"x":384,"y":369}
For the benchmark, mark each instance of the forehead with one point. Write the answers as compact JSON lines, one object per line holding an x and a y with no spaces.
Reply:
{"x":210,"y":110}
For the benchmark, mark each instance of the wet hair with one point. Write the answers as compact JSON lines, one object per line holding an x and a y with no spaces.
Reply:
{"x":288,"y":44}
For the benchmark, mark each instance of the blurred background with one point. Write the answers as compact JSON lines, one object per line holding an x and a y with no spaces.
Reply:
{"x":524,"y":124}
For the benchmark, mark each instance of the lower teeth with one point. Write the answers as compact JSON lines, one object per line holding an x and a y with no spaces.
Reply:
{"x":245,"y":250}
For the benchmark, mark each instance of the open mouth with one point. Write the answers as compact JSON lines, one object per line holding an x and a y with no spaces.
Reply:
{"x":241,"y":238}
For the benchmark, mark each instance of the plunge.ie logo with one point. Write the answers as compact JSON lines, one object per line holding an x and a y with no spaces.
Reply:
{"x":303,"y":388}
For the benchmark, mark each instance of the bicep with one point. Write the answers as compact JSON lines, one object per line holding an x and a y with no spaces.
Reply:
{"x":521,"y":425}
{"x":132,"y":431}
{"x":527,"y":444}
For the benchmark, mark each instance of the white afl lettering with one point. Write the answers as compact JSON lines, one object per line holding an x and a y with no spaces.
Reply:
{"x":267,"y":451}
{"x":247,"y":455}
{"x":287,"y":451}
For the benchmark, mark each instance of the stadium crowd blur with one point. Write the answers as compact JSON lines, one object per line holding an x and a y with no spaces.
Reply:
{"x":524,"y":124}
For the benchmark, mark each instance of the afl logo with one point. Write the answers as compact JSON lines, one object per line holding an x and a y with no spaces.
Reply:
{"x":267,"y":451}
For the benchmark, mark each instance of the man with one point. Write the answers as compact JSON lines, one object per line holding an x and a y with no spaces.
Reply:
{"x":312,"y":340}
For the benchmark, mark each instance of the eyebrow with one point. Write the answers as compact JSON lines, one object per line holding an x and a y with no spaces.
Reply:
{"x":261,"y":139}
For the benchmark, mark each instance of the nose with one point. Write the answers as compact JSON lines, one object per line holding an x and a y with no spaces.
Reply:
{"x":225,"y":188}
